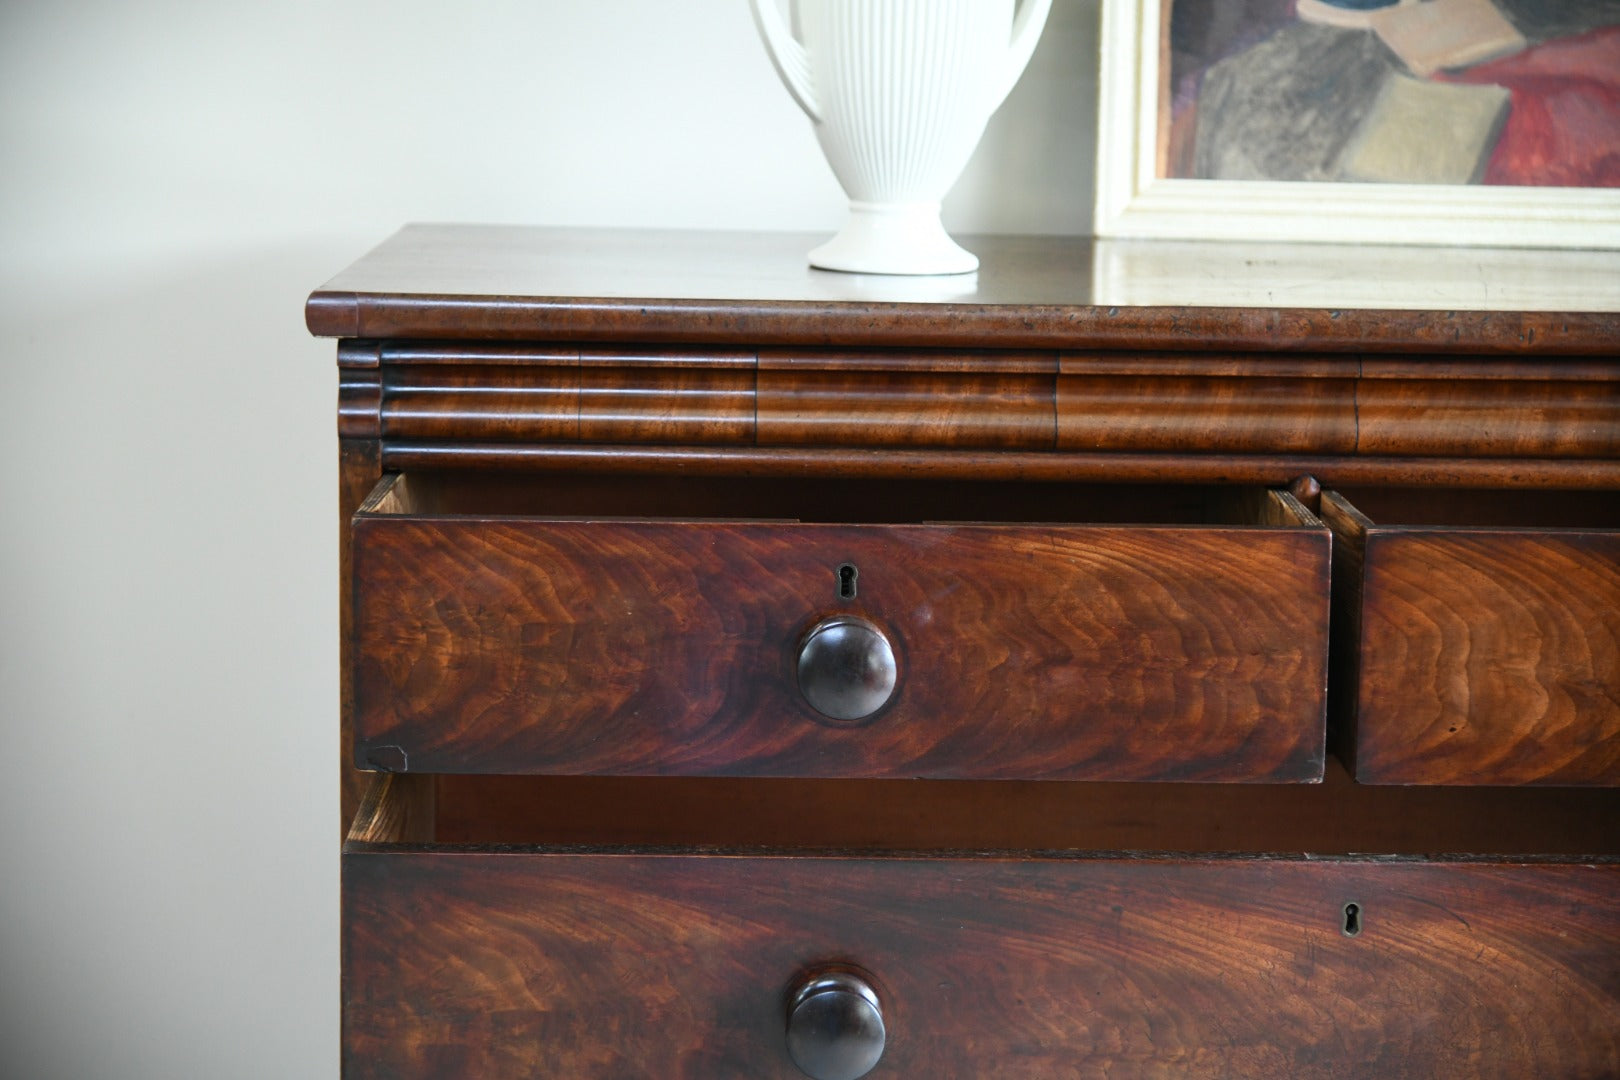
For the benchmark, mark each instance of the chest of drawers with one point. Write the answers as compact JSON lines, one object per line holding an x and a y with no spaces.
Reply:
{"x":754,"y":671}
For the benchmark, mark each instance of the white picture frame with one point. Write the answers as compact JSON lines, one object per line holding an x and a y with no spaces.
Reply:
{"x":1132,"y":200}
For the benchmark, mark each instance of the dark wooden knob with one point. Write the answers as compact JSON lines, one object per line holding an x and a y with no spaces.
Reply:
{"x":846,"y":668}
{"x":835,"y":1027}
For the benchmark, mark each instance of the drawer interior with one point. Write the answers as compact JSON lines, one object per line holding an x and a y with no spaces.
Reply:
{"x":1486,"y":508}
{"x":858,"y":501}
{"x":1336,"y":817}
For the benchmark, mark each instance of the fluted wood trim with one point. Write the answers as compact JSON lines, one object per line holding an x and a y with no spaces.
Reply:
{"x":667,"y":404}
{"x":947,"y":409}
{"x":1488,"y":418}
{"x":539,"y":402}
{"x":1524,"y":409}
{"x":1220,"y":415}
{"x":359,"y":389}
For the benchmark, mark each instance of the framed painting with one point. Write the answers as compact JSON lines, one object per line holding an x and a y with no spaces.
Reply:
{"x":1476,"y":122}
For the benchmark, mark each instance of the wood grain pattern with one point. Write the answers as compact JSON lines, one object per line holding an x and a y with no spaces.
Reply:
{"x":1279,"y":509}
{"x":396,"y":809}
{"x":1005,"y":410}
{"x":1489,"y":655}
{"x":1219,"y":415}
{"x":496,"y":393}
{"x":667,"y":648}
{"x":656,"y":398}
{"x":587,"y":965}
{"x":487,"y":404}
{"x":1545,"y":418}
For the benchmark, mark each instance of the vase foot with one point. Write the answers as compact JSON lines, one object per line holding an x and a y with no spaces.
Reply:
{"x":889,"y":238}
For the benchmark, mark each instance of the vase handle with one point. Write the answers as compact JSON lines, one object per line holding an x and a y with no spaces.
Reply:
{"x":789,"y":58}
{"x":1026,"y":31}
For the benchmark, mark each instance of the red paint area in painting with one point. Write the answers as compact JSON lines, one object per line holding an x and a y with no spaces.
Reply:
{"x":1564,"y":126}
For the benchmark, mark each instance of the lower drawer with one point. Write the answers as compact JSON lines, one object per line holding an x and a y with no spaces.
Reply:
{"x":478,"y":958}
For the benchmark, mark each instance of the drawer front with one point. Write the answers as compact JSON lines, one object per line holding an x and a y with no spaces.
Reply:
{"x":1483,"y":655}
{"x":667,"y":648}
{"x":616,"y":965}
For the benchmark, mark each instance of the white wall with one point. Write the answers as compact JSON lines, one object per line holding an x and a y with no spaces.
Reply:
{"x":174,"y":179}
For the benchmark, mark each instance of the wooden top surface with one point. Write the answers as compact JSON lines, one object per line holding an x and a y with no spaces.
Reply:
{"x":518,"y":283}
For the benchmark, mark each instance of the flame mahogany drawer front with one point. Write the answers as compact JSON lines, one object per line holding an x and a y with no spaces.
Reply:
{"x":1480,"y":635}
{"x":527,"y":626}
{"x":496,"y":953}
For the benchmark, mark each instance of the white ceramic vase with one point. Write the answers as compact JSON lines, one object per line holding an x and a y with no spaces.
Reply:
{"x":899,"y":92}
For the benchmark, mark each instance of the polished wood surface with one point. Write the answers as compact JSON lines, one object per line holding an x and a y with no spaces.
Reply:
{"x":530,"y":961}
{"x":495,"y":643}
{"x":1487,"y":637}
{"x":514,"y":284}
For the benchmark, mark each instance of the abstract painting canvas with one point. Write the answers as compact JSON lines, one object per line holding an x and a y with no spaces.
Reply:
{"x":1404,"y":121}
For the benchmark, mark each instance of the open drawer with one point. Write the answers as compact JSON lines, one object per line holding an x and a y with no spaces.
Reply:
{"x":569,"y":625}
{"x":1477,"y":635}
{"x":508,"y":926}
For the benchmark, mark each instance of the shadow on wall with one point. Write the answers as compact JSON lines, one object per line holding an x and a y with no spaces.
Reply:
{"x":1035,"y":169}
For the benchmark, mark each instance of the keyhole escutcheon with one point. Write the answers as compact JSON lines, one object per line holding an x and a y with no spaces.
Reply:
{"x":847,"y":575}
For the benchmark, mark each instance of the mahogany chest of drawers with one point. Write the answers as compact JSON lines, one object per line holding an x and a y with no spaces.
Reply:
{"x":754,"y":671}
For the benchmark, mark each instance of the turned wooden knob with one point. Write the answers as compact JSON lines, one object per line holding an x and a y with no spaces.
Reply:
{"x":846,"y":668}
{"x":835,"y":1027}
